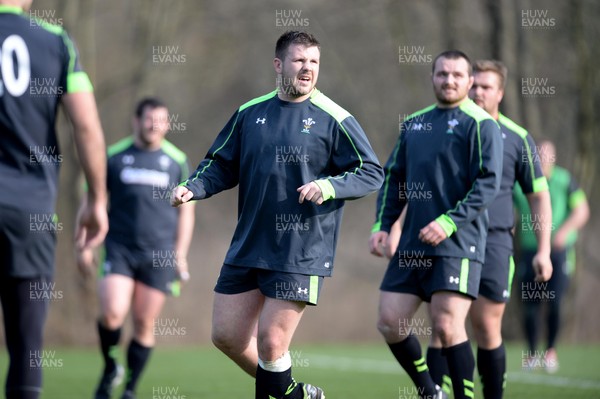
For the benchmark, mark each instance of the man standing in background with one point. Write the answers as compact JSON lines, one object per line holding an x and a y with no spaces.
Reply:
{"x":520,"y":164}
{"x":147,"y":244}
{"x":447,"y":176}
{"x":570,"y":212}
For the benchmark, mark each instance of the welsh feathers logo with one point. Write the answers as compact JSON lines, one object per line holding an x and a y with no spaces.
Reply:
{"x":307,"y":124}
{"x":451,"y":125}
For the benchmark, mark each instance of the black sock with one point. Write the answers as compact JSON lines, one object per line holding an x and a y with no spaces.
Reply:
{"x":531,"y":325}
{"x":492,"y":370}
{"x":109,"y":340}
{"x":438,"y":368}
{"x":137,"y":356}
{"x":409,"y":355}
{"x":553,"y":322}
{"x":461,"y":365}
{"x":276,"y":384}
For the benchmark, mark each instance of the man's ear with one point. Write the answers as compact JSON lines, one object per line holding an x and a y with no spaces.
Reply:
{"x":277,"y":63}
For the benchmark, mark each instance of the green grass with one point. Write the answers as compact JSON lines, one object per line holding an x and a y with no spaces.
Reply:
{"x":365,"y":371}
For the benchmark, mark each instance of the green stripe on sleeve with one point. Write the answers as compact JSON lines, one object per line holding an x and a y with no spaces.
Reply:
{"x":576,"y":198}
{"x":376,"y":227}
{"x":327,"y":189}
{"x":540,"y":184}
{"x":79,"y":82}
{"x":447,"y":224}
{"x":464,"y":275}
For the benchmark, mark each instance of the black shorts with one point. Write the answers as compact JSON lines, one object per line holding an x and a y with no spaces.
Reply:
{"x":27,"y":243}
{"x":551,"y":290}
{"x":154,"y":268}
{"x":424,"y":275}
{"x":497,"y":273}
{"x":272,"y":284}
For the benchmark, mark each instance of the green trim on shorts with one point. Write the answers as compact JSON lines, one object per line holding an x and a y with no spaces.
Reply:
{"x":464,"y":275}
{"x":511,"y":273}
{"x":313,"y":291}
{"x":101,"y":260}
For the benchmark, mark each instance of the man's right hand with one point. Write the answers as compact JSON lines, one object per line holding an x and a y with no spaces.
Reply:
{"x":181,"y":195}
{"x":377,"y":243}
{"x":92,"y":225}
{"x":542,"y":266}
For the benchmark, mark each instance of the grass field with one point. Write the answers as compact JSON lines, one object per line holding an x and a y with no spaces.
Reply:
{"x":352,"y":371}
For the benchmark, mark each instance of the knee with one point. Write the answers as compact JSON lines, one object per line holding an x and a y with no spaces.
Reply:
{"x":225,"y":340}
{"x":271,"y":345}
{"x":111,"y":320}
{"x":487,"y":333}
{"x":443,"y":329}
{"x":387,"y":325}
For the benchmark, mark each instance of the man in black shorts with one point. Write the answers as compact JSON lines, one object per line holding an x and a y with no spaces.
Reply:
{"x":520,"y":164}
{"x":146,"y":246}
{"x":570,"y":212}
{"x":446,"y":169}
{"x":297,"y":156}
{"x":40,"y":70}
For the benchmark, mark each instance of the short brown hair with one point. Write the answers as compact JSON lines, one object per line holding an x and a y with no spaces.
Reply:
{"x":492,"y":66}
{"x":453,"y":55}
{"x":294,"y":37}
